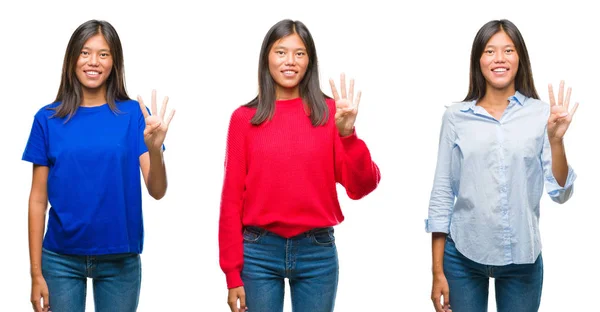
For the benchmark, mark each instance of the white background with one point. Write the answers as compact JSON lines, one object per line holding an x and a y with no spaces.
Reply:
{"x":409,"y":60}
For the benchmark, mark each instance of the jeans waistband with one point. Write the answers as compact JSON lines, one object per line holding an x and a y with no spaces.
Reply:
{"x":262,"y":231}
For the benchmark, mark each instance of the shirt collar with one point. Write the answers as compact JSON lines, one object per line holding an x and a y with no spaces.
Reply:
{"x":517,"y":98}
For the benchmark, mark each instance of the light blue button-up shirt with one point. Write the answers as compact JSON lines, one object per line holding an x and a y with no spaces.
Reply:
{"x":489,"y":180}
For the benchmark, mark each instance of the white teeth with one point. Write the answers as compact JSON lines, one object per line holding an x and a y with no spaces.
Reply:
{"x":288,"y":72}
{"x":92,"y":73}
{"x":500,"y":70}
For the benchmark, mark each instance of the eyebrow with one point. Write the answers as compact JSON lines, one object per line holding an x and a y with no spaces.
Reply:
{"x":286,"y":48}
{"x":505,"y":46}
{"x":101,"y":50}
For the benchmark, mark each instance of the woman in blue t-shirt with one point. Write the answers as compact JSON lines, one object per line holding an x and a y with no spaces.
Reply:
{"x":497,"y":150}
{"x":87,"y":148}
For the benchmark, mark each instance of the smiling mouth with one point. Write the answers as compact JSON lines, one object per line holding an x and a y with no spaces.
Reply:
{"x":92,"y":73}
{"x":289,"y":73}
{"x":500,"y":70}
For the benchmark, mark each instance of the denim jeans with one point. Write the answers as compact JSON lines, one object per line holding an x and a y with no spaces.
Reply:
{"x":308,"y":260}
{"x":518,"y":286}
{"x":116,"y":278}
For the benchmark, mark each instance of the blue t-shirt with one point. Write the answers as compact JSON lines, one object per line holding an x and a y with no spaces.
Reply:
{"x":94,"y":183}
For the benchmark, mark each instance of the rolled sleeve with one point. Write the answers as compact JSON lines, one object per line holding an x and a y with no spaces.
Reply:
{"x":437,"y":226}
{"x":560,"y":194}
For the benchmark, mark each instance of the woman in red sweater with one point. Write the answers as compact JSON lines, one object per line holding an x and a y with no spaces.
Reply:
{"x":284,"y":156}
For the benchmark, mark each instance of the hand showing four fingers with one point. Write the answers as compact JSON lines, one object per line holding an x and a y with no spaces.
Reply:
{"x":560,"y":116}
{"x":156,"y":124}
{"x":346,"y":106}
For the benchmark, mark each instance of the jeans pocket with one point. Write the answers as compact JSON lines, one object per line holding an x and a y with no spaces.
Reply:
{"x":323,"y":237}
{"x":251,"y":234}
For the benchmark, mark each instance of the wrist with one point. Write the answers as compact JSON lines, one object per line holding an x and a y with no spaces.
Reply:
{"x":346,"y":132}
{"x":155,"y":151}
{"x":556,"y":141}
{"x":437,"y":271}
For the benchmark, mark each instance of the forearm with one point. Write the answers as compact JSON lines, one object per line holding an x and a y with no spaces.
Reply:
{"x":37,"y":220}
{"x":356,"y":169}
{"x":157,"y":175}
{"x":560,"y":169}
{"x":438,"y":241}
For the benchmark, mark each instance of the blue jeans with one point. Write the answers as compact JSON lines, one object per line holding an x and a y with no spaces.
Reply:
{"x":308,"y":260}
{"x":518,"y":286}
{"x":116,"y":279}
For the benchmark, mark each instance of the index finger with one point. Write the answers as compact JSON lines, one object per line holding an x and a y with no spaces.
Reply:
{"x":446,"y":295}
{"x":243,"y":302}
{"x":437,"y":305}
{"x":143,"y":107}
{"x":37,"y":306}
{"x":334,"y":93}
{"x":46,"y":298}
{"x":551,"y":95}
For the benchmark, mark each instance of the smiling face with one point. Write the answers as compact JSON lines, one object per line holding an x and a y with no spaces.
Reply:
{"x":94,"y":64}
{"x":288,"y":61}
{"x":500,"y":62}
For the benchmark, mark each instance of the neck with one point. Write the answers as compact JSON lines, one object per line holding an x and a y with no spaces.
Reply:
{"x":497,"y":97}
{"x":94,"y":97}
{"x":286,"y":93}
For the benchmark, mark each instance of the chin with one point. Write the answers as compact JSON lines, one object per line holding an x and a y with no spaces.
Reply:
{"x":502,"y":84}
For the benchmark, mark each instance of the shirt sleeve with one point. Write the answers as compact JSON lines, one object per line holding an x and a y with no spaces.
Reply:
{"x":231,"y":248}
{"x":36,"y":150}
{"x":441,"y":202}
{"x":354,"y":168}
{"x":559,"y":194}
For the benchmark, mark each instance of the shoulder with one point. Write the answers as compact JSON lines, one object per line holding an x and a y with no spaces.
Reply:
{"x":331,"y":106}
{"x":454,"y":108}
{"x":128,"y":105}
{"x":242,"y":114}
{"x":537,"y":105}
{"x":46,"y":111}
{"x":330,"y":102}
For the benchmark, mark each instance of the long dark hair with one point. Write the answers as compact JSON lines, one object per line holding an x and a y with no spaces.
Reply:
{"x":523,"y":80}
{"x":310,"y":88}
{"x":70,"y":92}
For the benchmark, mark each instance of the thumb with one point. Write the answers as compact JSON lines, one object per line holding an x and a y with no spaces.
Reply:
{"x":553,"y":117}
{"x":446,"y":294}
{"x":150,"y":129}
{"x":46,"y":301}
{"x":243,"y":307}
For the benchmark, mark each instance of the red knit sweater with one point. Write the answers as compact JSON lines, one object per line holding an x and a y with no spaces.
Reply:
{"x":282,"y":174}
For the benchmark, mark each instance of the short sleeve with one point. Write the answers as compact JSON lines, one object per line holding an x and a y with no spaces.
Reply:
{"x":36,"y":150}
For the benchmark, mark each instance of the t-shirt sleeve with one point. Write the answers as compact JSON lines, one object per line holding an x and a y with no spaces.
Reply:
{"x":36,"y":150}
{"x":142,"y":148}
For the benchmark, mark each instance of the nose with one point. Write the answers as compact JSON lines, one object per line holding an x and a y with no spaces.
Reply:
{"x":499,"y":57}
{"x":290,"y":59}
{"x":93,"y":59}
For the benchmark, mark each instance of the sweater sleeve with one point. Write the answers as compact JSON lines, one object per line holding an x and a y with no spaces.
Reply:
{"x":354,"y":168}
{"x":231,"y":253}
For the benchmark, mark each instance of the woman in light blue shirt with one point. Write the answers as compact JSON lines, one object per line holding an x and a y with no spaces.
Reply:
{"x":497,"y":150}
